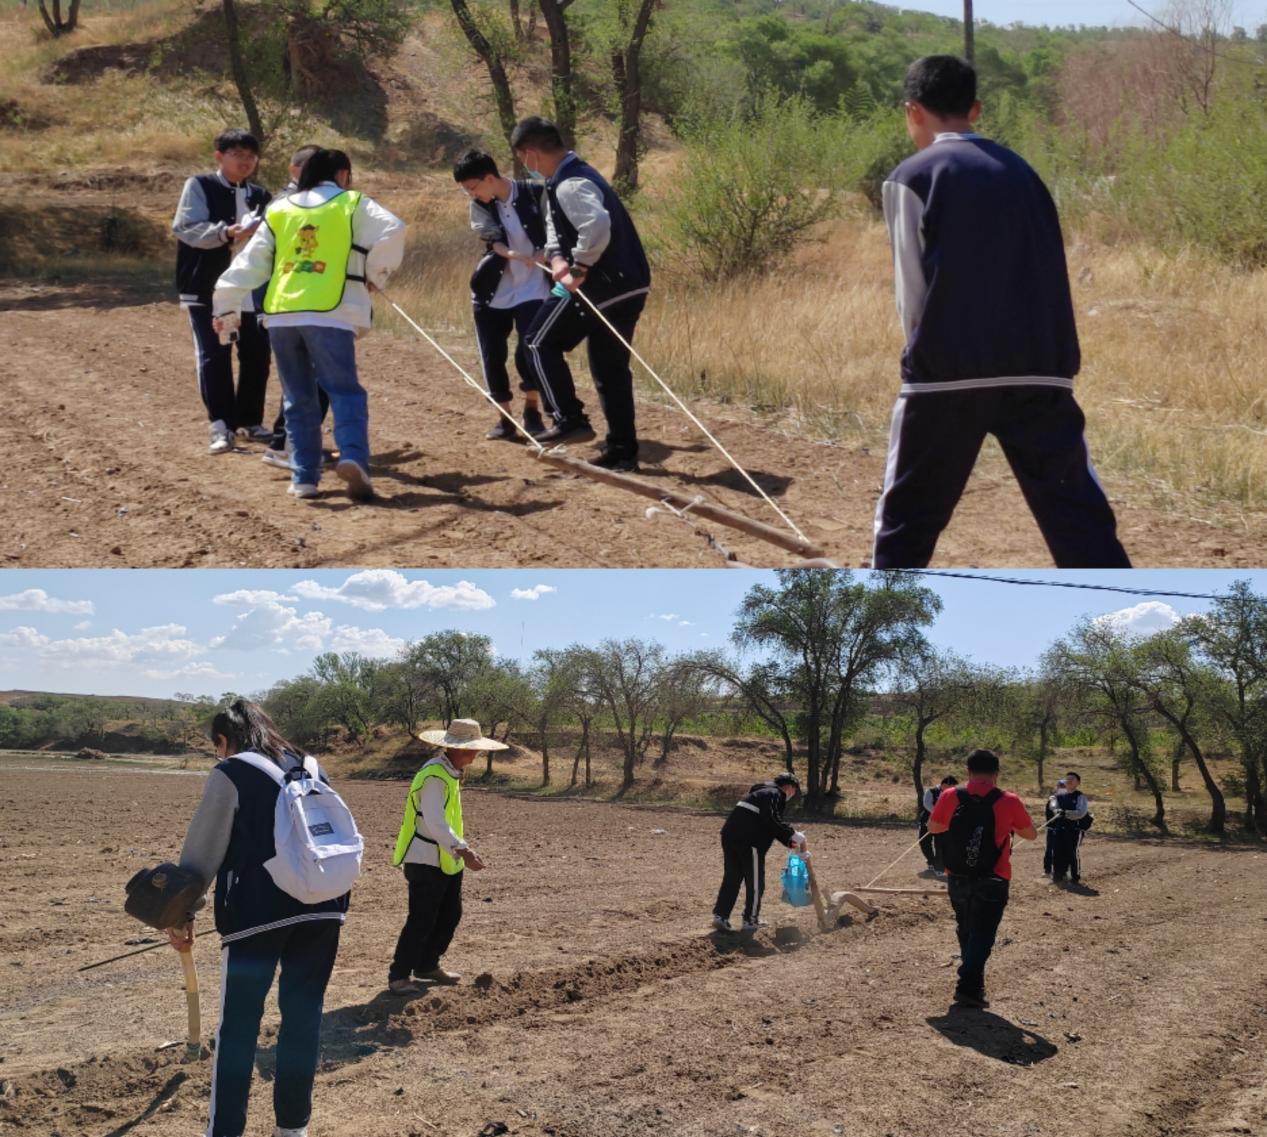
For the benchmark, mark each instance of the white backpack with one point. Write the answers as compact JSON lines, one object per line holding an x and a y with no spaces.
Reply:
{"x":318,"y":845}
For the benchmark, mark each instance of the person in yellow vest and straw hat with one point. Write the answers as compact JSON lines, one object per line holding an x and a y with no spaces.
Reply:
{"x":433,"y":850}
{"x":321,"y":251}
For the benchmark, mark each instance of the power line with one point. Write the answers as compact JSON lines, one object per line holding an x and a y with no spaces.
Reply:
{"x":1063,"y":584}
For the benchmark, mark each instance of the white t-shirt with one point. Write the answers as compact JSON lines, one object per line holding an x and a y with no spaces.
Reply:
{"x":520,"y":283}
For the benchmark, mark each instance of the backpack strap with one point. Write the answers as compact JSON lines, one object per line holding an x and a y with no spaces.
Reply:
{"x":264,"y":765}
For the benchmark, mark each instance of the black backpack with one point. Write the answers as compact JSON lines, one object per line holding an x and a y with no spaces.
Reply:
{"x":968,"y":847}
{"x":1086,"y":821}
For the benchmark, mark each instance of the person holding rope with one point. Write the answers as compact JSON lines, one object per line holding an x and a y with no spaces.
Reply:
{"x":591,"y":244}
{"x":216,"y":215}
{"x":1069,"y":808}
{"x":991,"y":341}
{"x":978,"y":820}
{"x":229,"y":841}
{"x":321,"y":252}
{"x":1049,"y":815}
{"x":753,"y":826}
{"x":433,"y":851}
{"x":508,"y":286}
{"x":927,"y":842}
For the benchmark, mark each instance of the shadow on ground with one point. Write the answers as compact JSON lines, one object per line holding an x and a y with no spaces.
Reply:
{"x":993,"y":1036}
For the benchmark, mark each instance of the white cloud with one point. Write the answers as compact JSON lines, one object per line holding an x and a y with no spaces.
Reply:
{"x":164,"y":643}
{"x":373,"y":642}
{"x":534,"y":593}
{"x":83,"y":625}
{"x":378,"y":589}
{"x":37,"y":600}
{"x":672,"y":618}
{"x":1143,"y":619}
{"x":200,"y":670}
{"x":250,"y":598}
{"x":274,"y":625}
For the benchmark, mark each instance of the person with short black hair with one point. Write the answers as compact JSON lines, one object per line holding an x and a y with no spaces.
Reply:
{"x":591,"y":242}
{"x":321,"y":252}
{"x":991,"y":340}
{"x":216,"y":215}
{"x":1049,"y":814}
{"x":508,"y":285}
{"x":1069,"y":807}
{"x":927,"y":842}
{"x":753,"y":826}
{"x":261,"y":927}
{"x":978,"y":820}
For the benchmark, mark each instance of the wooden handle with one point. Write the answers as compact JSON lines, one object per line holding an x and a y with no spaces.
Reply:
{"x":194,"y":1046}
{"x":820,"y":908}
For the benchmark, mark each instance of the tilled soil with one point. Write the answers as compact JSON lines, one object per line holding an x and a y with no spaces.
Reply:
{"x":107,"y":464}
{"x":595,"y":1002}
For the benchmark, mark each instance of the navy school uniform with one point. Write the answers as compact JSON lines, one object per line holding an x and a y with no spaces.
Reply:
{"x":991,"y":348}
{"x":753,"y":826}
{"x":209,"y":204}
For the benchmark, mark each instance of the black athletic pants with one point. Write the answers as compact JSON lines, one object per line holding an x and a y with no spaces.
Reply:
{"x":928,"y":846}
{"x":741,"y":864}
{"x":493,"y":328}
{"x":1065,"y":854}
{"x":278,"y":441}
{"x":1049,"y":853}
{"x":235,"y":408}
{"x":934,"y":440}
{"x":560,"y":325}
{"x":978,"y":906}
{"x":435,"y":910}
{"x":306,"y":953}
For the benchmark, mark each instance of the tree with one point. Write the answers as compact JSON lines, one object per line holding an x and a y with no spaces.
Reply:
{"x":54,"y":22}
{"x":494,"y":63}
{"x":969,"y":33}
{"x":408,"y":691}
{"x":237,"y":65}
{"x":348,"y":690}
{"x":830,"y":635}
{"x":1045,"y":699}
{"x":562,"y":81}
{"x":685,"y":691}
{"x":931,"y":684}
{"x":627,"y":673}
{"x":762,"y":690}
{"x":585,"y":703}
{"x":627,"y":73}
{"x":500,"y":694}
{"x":554,"y":677}
{"x":451,"y":661}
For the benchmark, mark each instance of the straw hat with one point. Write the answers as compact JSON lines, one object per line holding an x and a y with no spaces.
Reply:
{"x":463,"y":734}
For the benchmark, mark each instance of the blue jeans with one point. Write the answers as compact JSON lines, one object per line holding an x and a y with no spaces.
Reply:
{"x":313,"y":359}
{"x":978,"y":906}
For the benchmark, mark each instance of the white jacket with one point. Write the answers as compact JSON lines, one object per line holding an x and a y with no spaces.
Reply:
{"x":373,"y":228}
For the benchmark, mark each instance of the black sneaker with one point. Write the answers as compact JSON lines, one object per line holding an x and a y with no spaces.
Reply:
{"x":504,"y":431}
{"x":569,"y":430}
{"x":615,"y":461}
{"x":533,"y":422}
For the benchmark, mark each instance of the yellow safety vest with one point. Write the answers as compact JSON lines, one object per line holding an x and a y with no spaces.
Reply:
{"x":452,"y":814}
{"x":313,"y":244}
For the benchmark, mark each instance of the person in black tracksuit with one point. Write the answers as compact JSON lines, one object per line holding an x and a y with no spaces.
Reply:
{"x":217,"y":213}
{"x":591,"y":244}
{"x":261,"y":927}
{"x":991,"y":340}
{"x":1049,"y":813}
{"x":753,"y":826}
{"x":1069,"y":807}
{"x":928,"y":842}
{"x":508,"y":285}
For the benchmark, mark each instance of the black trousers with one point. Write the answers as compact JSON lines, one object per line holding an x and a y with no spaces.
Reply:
{"x":1066,"y":860}
{"x":978,"y":906}
{"x":306,"y":953}
{"x":1049,"y":852}
{"x":741,"y":864}
{"x":934,"y":441}
{"x":560,"y":326}
{"x":278,"y":441}
{"x":493,"y":328}
{"x":928,"y":846}
{"x":435,"y":910}
{"x":243,"y":406}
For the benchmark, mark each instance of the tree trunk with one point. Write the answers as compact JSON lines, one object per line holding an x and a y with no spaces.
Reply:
{"x":1141,"y":770}
{"x":72,"y":17}
{"x":502,"y":93}
{"x":576,"y":761}
{"x":531,"y":30}
{"x":514,"y":21}
{"x":561,"y":79}
{"x":1176,"y":758}
{"x":1043,"y":730}
{"x":545,"y":758}
{"x":917,"y":766}
{"x":666,"y":741}
{"x":969,"y":34}
{"x":1218,"y":804}
{"x":53,"y":25}
{"x":238,"y":66}
{"x":626,"y":70}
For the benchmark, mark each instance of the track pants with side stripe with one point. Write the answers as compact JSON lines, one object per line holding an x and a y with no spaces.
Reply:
{"x":236,"y":407}
{"x":493,"y":329}
{"x":1067,"y":854}
{"x":741,"y":864}
{"x":306,"y":953}
{"x":934,"y":441}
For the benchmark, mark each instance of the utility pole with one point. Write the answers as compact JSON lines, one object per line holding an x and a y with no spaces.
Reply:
{"x":969,"y":35}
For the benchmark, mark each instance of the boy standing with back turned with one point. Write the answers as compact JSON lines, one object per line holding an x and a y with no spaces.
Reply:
{"x":991,"y":342}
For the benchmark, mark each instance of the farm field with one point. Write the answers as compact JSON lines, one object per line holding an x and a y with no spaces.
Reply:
{"x":606,"y":1008}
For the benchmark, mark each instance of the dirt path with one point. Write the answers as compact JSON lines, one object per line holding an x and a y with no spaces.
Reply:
{"x":1132,"y":1010}
{"x":107,"y":465}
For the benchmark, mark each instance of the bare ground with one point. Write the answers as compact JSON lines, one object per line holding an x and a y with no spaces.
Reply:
{"x":107,"y":465}
{"x":1131,"y":1009}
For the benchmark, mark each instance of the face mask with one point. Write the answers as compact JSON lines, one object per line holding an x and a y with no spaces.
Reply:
{"x":535,"y":175}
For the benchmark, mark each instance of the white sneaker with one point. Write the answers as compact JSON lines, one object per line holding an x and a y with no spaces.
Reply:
{"x":280,"y":1132}
{"x":360,"y":488}
{"x":722,"y":924}
{"x":278,"y":458}
{"x":305,"y":490}
{"x":753,"y":925}
{"x":258,"y":433}
{"x":221,"y":437}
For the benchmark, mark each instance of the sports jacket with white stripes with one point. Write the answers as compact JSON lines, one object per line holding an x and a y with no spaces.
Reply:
{"x":757,"y":819}
{"x":982,"y":283}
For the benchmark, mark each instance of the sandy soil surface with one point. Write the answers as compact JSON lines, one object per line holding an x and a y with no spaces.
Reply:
{"x":1133,"y":1008}
{"x":107,"y":465}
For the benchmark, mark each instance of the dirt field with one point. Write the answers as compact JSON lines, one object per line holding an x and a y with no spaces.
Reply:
{"x":1133,"y":1009}
{"x":107,"y":465}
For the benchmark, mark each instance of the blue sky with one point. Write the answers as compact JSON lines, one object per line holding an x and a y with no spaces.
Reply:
{"x":157,"y":632}
{"x":1247,"y":13}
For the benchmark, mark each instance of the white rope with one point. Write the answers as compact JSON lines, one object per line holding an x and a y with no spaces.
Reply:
{"x":462,"y":371}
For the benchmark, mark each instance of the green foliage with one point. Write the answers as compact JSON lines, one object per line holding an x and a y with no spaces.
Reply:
{"x":792,"y":59}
